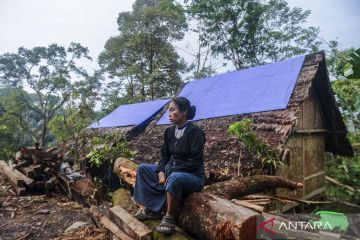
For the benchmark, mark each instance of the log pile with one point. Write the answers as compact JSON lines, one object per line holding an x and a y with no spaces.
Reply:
{"x":36,"y":170}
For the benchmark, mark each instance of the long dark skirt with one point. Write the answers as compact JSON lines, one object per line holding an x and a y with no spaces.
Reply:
{"x":151,"y":194}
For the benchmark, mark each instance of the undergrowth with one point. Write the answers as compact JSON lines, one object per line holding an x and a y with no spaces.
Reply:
{"x":347,"y":171}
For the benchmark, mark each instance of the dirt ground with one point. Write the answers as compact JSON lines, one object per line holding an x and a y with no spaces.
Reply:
{"x":42,"y":217}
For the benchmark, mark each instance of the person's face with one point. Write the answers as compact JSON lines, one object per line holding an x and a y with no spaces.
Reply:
{"x":175,"y":115}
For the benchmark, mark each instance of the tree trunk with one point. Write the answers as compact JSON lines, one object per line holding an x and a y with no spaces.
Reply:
{"x":242,"y":186}
{"x":210,"y":214}
{"x":43,"y":134}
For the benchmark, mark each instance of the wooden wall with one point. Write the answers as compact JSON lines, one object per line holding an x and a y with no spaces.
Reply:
{"x":307,"y":151}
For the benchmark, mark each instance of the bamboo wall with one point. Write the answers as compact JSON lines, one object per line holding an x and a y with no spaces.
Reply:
{"x":307,"y":151}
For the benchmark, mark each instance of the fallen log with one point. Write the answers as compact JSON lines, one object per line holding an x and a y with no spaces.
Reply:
{"x":210,"y":214}
{"x":114,"y":229}
{"x":210,"y":217}
{"x":242,"y":186}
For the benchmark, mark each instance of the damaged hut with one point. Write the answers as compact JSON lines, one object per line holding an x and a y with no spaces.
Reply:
{"x":293,"y":109}
{"x":291,"y":104}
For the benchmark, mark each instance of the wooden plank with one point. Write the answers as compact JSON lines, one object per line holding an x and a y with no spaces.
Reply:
{"x":336,"y":182}
{"x":314,"y":175}
{"x":21,"y":164}
{"x":249,"y":205}
{"x":133,"y":227}
{"x":317,"y":131}
{"x":109,"y":224}
{"x":48,"y":171}
{"x":14,"y":179}
{"x":28,"y":181}
{"x":20,"y":191}
{"x":37,"y":169}
{"x":29,"y":171}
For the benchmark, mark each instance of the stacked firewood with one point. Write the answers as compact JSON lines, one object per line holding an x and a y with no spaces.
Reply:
{"x":37,"y":170}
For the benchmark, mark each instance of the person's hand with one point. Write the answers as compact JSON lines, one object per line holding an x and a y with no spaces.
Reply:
{"x":161,"y":178}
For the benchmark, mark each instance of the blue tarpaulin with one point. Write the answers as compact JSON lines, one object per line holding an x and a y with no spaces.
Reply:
{"x":131,"y":114}
{"x":263,"y":88}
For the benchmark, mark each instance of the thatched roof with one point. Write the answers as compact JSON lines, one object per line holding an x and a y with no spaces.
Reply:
{"x":274,"y":127}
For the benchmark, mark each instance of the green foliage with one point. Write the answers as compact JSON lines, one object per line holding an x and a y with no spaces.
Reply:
{"x":243,"y":131}
{"x":347,"y":88}
{"x":49,"y":73}
{"x":347,"y":171}
{"x":342,"y":63}
{"x":71,"y":122}
{"x":348,"y":98}
{"x":345,"y":65}
{"x":15,"y":128}
{"x":107,"y":149}
{"x":253,"y":32}
{"x":352,"y":67}
{"x":141,"y":62}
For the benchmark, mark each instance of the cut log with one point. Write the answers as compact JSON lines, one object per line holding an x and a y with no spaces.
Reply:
{"x":209,"y":214}
{"x":127,"y":170}
{"x":133,"y":227}
{"x":210,"y":217}
{"x":114,"y":229}
{"x":14,"y":179}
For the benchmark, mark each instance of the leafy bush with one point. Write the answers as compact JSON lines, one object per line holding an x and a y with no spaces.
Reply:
{"x":108,"y":148}
{"x":347,"y":171}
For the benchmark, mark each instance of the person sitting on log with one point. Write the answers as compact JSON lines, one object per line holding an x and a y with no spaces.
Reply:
{"x":179,"y":172}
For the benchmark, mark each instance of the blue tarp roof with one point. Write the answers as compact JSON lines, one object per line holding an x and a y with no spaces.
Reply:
{"x":263,"y":88}
{"x":131,"y":114}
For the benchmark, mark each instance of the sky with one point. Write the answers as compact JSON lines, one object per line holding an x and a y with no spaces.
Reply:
{"x":31,"y":23}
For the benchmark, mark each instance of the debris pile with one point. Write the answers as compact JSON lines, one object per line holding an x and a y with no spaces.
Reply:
{"x":36,"y":170}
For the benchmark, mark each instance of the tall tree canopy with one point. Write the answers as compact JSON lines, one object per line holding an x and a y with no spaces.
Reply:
{"x":141,"y":62}
{"x":347,"y":87}
{"x":50,"y":74}
{"x":253,"y":32}
{"x":18,"y":124}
